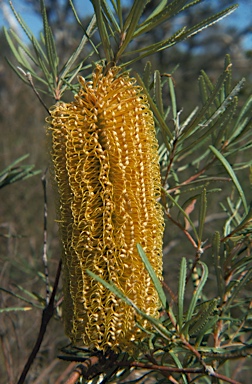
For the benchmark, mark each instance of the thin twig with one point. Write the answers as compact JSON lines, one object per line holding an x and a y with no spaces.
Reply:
{"x":208,"y":368}
{"x":30,"y":80}
{"x":193,"y":177}
{"x":44,"y":257}
{"x":225,"y":378}
{"x":183,"y":229}
{"x":178,"y":370}
{"x":75,"y":375}
{"x":160,"y":367}
{"x":82,"y":369}
{"x":46,"y":317}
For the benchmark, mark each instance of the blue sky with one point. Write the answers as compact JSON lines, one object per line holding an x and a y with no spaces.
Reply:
{"x":240,"y":18}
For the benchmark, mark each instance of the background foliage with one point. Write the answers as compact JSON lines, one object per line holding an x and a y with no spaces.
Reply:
{"x":207,"y":204}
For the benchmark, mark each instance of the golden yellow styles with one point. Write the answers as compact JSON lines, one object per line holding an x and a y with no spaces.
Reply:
{"x":105,"y":158}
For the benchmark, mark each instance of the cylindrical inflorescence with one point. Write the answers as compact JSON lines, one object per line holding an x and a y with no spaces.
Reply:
{"x":105,"y":160}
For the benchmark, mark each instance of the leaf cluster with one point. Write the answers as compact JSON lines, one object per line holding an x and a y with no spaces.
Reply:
{"x":14,"y":172}
{"x":41,"y":61}
{"x":200,"y":332}
{"x":114,"y":31}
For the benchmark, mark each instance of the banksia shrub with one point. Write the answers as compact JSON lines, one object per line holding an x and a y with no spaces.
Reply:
{"x":105,"y":165}
{"x":105,"y":158}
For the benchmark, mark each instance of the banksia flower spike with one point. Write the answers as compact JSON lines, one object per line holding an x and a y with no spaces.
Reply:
{"x":105,"y":158}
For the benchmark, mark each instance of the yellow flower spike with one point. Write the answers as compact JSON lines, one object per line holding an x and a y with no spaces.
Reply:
{"x":105,"y":158}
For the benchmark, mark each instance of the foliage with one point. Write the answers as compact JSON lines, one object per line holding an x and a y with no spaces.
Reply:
{"x":115,"y":35}
{"x":201,"y":330}
{"x":14,"y":173}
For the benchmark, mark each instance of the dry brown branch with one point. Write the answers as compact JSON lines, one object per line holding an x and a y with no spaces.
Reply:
{"x":80,"y":370}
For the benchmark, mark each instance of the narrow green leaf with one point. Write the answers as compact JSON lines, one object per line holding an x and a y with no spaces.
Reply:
{"x":155,"y":47}
{"x":242,"y":121}
{"x":233,"y":216}
{"x":222,"y":125}
{"x":173,"y":98}
{"x":21,"y":22}
{"x":159,"y":8}
{"x":158,"y":92}
{"x":19,"y":53}
{"x":12,"y":47}
{"x":14,"y":173}
{"x":112,"y":33}
{"x":14,"y":163}
{"x":75,"y":13}
{"x":21,"y":298}
{"x":218,"y":264}
{"x":17,"y":72}
{"x":86,"y":38}
{"x":28,"y":32}
{"x":111,"y":18}
{"x":238,"y":285}
{"x":210,"y":21}
{"x":103,"y":31}
{"x":118,"y":11}
{"x":147,"y":74}
{"x":130,"y":24}
{"x":191,"y":4}
{"x":205,"y":87}
{"x":52,"y":56}
{"x":178,"y":36}
{"x":26,"y":63}
{"x":49,"y":79}
{"x":206,"y":108}
{"x":68,"y":82}
{"x":153,"y":276}
{"x":156,"y":324}
{"x":233,"y":176}
{"x":208,"y":83}
{"x":197,"y":292}
{"x":40,"y":49}
{"x":189,"y":119}
{"x":199,"y":121}
{"x":32,"y":295}
{"x":241,"y":265}
{"x":136,"y":9}
{"x":202,"y":214}
{"x":181,"y":292}
{"x":158,"y":17}
{"x":201,"y":319}
{"x":175,"y":357}
{"x":206,"y":329}
{"x":20,"y":174}
{"x":88,"y":32}
{"x":245,"y":221}
{"x":154,"y":108}
{"x":15,"y":309}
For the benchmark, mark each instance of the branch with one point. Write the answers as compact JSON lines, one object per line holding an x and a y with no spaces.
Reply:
{"x":46,"y":317}
{"x":44,"y":257}
{"x":81,"y":370}
{"x":30,"y":80}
